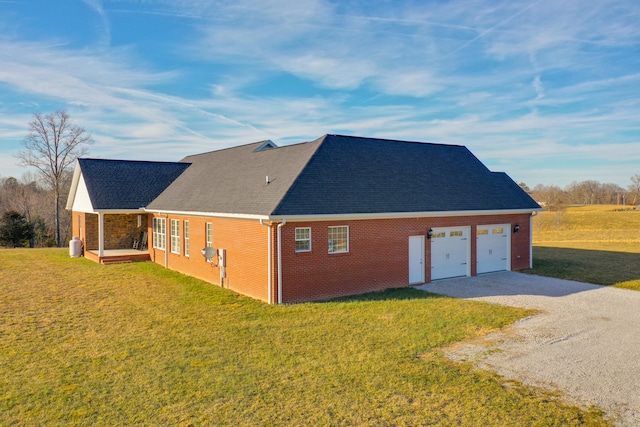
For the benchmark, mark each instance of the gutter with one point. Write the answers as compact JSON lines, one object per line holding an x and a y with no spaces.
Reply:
{"x":399,"y":215}
{"x":345,"y":217}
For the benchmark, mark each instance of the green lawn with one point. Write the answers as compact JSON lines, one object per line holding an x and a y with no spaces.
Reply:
{"x":135,"y":344}
{"x":596,"y":244}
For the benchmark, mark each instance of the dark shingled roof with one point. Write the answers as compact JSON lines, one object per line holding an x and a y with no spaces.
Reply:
{"x":341,"y":175}
{"x":233,"y":180}
{"x":126,"y":184}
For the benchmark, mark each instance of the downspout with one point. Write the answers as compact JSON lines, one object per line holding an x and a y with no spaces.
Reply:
{"x":534,"y":213}
{"x":269,"y":263}
{"x":284,"y":221}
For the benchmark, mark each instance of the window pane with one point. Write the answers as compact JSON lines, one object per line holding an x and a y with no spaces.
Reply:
{"x":338,"y":239}
{"x":175,"y":236}
{"x":159,"y":233}
{"x":209,"y":235}
{"x":186,"y":238}
{"x":303,"y":239}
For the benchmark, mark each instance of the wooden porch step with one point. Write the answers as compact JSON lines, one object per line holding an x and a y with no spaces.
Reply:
{"x":115,"y":260}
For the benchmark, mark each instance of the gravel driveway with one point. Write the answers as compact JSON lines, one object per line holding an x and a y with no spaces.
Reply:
{"x":584,"y":343}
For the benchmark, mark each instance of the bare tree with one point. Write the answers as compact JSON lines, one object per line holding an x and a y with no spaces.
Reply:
{"x":52,"y":145}
{"x":634,"y":188}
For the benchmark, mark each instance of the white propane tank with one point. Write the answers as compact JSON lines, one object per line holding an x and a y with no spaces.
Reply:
{"x":75,"y":247}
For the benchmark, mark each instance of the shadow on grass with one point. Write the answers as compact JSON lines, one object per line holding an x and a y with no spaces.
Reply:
{"x":592,"y":266}
{"x":398,"y":294}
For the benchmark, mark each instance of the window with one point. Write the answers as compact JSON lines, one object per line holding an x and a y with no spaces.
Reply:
{"x":498,"y":231}
{"x":303,"y":239}
{"x":439,"y":235}
{"x":483,"y":232}
{"x":159,"y":233}
{"x":209,"y":237}
{"x":186,"y":238}
{"x":338,"y":239}
{"x":175,"y":236}
{"x":455,"y":234}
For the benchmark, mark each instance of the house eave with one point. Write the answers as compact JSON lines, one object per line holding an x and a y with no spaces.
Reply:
{"x":74,"y":186}
{"x":208,"y":214}
{"x":348,"y":217}
{"x":115,"y":211}
{"x":398,"y":215}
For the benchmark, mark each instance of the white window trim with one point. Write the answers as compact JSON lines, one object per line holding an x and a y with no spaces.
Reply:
{"x":159,"y":233}
{"x":186,"y":238}
{"x":303,"y":240}
{"x":346,"y":250}
{"x":175,"y":236}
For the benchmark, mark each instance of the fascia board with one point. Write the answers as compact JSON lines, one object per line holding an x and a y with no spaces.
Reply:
{"x":119,"y":211}
{"x":398,"y":215}
{"x":74,"y":186}
{"x":345,"y":217}
{"x":209,"y":214}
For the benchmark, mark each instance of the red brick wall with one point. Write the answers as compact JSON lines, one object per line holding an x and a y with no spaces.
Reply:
{"x":246,"y":251}
{"x":120,"y":230}
{"x":377,"y":257}
{"x":378,"y":254}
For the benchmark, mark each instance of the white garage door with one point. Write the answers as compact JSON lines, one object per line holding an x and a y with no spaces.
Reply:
{"x":450,"y":251}
{"x":493,"y":247}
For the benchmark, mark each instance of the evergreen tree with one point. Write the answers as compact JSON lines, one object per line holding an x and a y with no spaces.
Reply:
{"x":15,"y":230}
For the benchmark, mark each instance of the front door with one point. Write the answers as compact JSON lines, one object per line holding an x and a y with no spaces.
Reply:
{"x":416,"y":260}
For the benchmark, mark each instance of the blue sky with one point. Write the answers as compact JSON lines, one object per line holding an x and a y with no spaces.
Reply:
{"x":547,"y":91}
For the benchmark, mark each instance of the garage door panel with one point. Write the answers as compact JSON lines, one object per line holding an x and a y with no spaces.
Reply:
{"x":449,"y":252}
{"x":492,"y":249}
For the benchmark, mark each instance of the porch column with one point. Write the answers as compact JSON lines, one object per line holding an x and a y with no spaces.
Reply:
{"x":100,"y":234}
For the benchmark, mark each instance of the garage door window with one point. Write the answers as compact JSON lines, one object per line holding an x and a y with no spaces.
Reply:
{"x":439,"y":235}
{"x":498,"y":231}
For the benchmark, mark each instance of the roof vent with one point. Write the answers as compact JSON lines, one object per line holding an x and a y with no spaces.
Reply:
{"x":266,"y":145}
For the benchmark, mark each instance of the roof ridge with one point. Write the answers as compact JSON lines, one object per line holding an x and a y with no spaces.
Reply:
{"x":394,"y":140}
{"x":229,"y":148}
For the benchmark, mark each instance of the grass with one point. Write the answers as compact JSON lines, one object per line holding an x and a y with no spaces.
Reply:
{"x":598,"y":244}
{"x":135,"y":344}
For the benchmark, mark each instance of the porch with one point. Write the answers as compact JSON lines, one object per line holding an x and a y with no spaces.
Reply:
{"x":111,"y":238}
{"x":113,"y":256}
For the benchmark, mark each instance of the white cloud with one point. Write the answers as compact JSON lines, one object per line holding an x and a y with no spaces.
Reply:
{"x":538,"y":86}
{"x":518,"y":81}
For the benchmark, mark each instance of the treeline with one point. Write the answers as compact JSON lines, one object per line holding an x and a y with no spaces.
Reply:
{"x":35,"y":205}
{"x":586,"y":193}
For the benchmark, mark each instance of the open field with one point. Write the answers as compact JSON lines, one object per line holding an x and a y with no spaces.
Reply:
{"x":134,"y":344}
{"x":598,"y":244}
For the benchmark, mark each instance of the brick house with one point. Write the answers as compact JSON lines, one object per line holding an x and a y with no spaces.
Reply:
{"x":337,"y":216}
